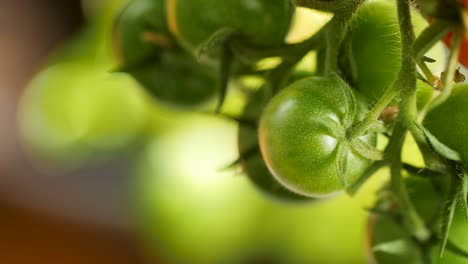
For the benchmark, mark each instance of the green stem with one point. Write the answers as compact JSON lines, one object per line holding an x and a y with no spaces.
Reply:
{"x":429,"y":37}
{"x":411,"y":220}
{"x":373,"y":115}
{"x":452,"y":64}
{"x":408,"y":115}
{"x":335,"y":36}
{"x":337,"y":31}
{"x":253,"y":54}
{"x":333,"y":32}
{"x":427,"y":72}
{"x":405,"y":84}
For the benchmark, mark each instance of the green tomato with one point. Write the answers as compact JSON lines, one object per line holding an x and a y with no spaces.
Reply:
{"x":383,"y":230}
{"x":300,"y":132}
{"x":72,"y":109}
{"x":447,"y":122}
{"x":257,"y":23}
{"x":136,"y":23}
{"x":150,"y":55}
{"x":177,"y":80}
{"x":252,"y":163}
{"x":376,"y":47}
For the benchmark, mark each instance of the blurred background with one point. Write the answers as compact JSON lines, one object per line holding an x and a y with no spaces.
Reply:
{"x":92,"y":170}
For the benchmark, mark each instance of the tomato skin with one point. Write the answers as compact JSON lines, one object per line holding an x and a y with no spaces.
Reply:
{"x":376,"y":47}
{"x":253,"y":165}
{"x":300,"y":150}
{"x":164,"y":69}
{"x":137,"y":18}
{"x":426,"y":199}
{"x":177,"y":80}
{"x":448,"y":121}
{"x":258,"y":23}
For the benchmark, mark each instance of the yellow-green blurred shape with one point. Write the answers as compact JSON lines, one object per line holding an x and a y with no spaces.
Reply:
{"x":306,"y":22}
{"x":197,"y":213}
{"x":71,"y":109}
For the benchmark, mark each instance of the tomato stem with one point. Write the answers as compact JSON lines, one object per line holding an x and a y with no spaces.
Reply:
{"x":406,"y":80}
{"x":429,"y":37}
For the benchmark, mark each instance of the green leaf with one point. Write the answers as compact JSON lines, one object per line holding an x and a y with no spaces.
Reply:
{"x":342,"y":163}
{"x":366,"y":150}
{"x":429,"y":37}
{"x":464,"y":193}
{"x":214,"y":45}
{"x":225,"y":73}
{"x":447,"y":217}
{"x":438,"y":146}
{"x":250,"y":152}
{"x":395,"y":247}
{"x":452,"y":247}
{"x":350,"y":103}
{"x":240,"y":120}
{"x":378,"y":127}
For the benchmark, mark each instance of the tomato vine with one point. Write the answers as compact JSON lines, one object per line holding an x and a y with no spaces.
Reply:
{"x":311,"y":131}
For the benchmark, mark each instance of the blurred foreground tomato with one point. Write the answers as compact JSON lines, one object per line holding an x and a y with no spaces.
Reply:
{"x":193,"y":211}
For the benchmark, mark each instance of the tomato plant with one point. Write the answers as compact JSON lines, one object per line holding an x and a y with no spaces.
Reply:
{"x":317,"y":135}
{"x":149,"y":53}
{"x":447,"y":121}
{"x":258,"y":23}
{"x":140,"y":33}
{"x":387,"y":241}
{"x":301,"y":132}
{"x":376,"y":50}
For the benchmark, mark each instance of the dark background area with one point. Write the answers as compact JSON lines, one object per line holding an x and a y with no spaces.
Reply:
{"x":35,"y":227}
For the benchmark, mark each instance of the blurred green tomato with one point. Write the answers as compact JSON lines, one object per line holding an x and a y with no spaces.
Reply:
{"x":257,"y":23}
{"x":70,"y":106}
{"x":177,"y":80}
{"x":192,"y":212}
{"x":140,"y":32}
{"x":149,"y":54}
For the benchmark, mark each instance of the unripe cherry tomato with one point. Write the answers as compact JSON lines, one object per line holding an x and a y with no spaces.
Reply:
{"x":152,"y":57}
{"x":177,"y":80}
{"x":300,"y":132}
{"x":252,"y":164}
{"x":258,"y":23}
{"x":137,"y":29}
{"x":377,"y":49}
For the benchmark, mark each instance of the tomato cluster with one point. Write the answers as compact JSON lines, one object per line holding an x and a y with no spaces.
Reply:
{"x":316,"y":136}
{"x":149,"y":53}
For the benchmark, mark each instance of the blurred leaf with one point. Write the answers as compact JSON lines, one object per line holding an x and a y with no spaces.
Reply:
{"x":395,"y":247}
{"x":438,"y":146}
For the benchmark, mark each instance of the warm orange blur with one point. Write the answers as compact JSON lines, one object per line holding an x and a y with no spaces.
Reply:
{"x":29,"y":30}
